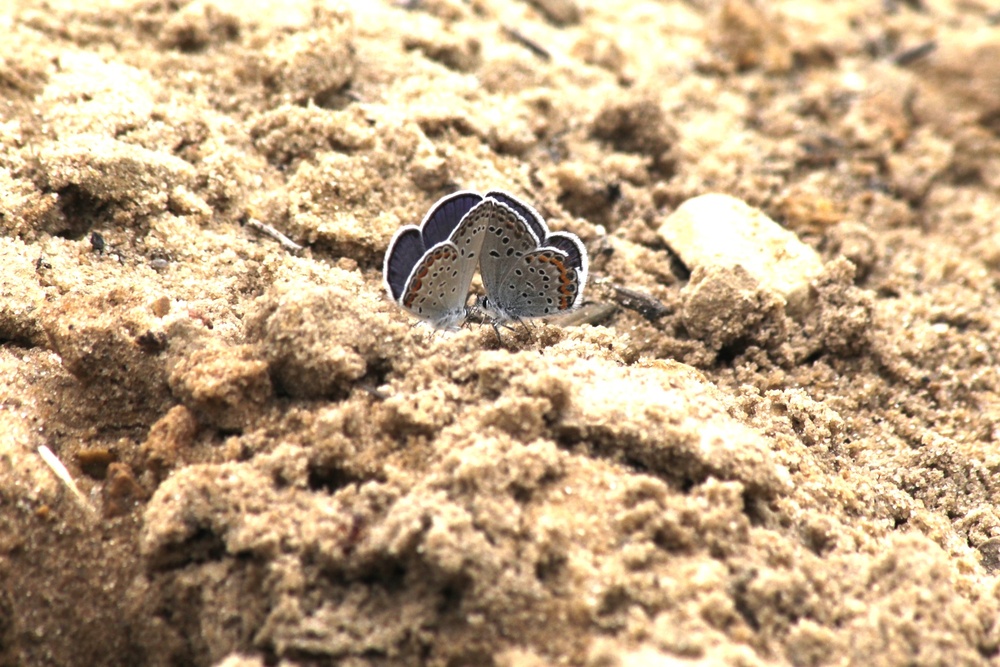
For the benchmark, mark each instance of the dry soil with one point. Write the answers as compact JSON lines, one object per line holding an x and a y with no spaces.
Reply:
{"x":277,"y":467}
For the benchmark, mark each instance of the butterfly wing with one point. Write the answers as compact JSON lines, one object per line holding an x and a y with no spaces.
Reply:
{"x":445,"y":216}
{"x":542,"y":282}
{"x":508,"y":237}
{"x":433,"y":291}
{"x":406,"y":249}
{"x":528,"y":213}
{"x":575,"y":263}
{"x":428,"y":269}
{"x":528,"y":272}
{"x":467,"y":240}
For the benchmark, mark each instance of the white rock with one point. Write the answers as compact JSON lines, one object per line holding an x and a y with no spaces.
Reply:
{"x":717,"y":230}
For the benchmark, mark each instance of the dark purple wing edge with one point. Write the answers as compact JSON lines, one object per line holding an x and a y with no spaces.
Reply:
{"x":405,"y":250}
{"x":445,"y":216}
{"x":576,"y":254}
{"x":576,"y":257}
{"x":529,"y":214}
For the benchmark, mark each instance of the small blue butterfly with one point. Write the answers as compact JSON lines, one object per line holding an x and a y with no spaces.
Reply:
{"x":527,"y":271}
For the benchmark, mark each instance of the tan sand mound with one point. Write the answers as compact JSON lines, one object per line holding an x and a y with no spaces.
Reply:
{"x":769,"y":437}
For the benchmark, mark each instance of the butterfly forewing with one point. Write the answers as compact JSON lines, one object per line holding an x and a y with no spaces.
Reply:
{"x":468,"y":241}
{"x":444,"y":218}
{"x":405,"y":250}
{"x":529,"y":214}
{"x":508,"y":237}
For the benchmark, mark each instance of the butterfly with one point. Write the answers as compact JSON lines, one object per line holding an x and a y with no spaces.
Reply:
{"x":527,"y":270}
{"x":428,"y":269}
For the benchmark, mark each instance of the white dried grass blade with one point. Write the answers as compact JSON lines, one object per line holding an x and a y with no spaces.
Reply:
{"x":63,"y":474}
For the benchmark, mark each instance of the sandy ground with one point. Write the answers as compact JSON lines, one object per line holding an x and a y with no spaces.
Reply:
{"x":725,"y":459}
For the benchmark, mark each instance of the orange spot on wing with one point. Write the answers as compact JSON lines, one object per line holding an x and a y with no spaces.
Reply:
{"x":566,"y":300}
{"x":418,"y":278}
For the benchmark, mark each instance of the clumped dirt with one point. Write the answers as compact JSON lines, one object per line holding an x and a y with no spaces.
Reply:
{"x":278,"y":467}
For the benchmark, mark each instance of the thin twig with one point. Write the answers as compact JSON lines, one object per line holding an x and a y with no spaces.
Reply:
{"x":268,"y":230}
{"x":651,"y":308}
{"x":527,"y":42}
{"x":910,"y":56}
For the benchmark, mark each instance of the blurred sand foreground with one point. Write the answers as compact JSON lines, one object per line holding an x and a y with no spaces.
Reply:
{"x":769,"y":438}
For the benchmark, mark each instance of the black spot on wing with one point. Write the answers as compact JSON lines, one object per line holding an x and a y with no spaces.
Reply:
{"x":529,"y":214}
{"x":446,"y":215}
{"x":406,"y":250}
{"x":569,"y":244}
